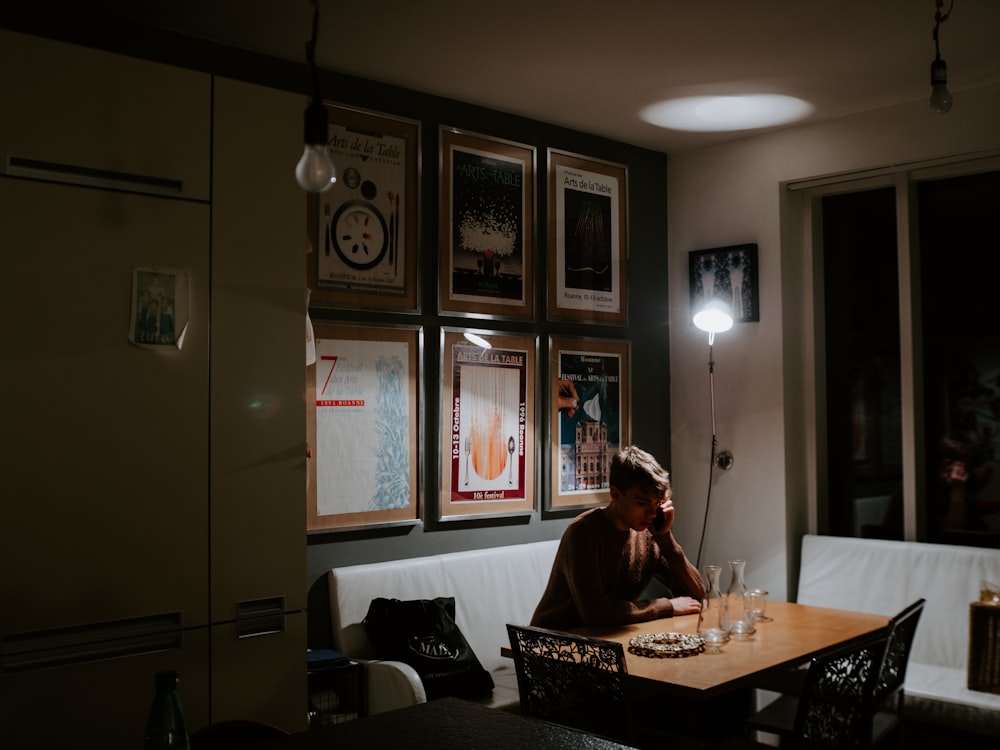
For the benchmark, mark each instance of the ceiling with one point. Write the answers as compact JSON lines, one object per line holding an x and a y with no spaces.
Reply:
{"x":591,"y":65}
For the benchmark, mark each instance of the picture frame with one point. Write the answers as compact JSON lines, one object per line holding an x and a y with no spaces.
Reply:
{"x":487,"y":225}
{"x":732,"y":274}
{"x":488,"y":438}
{"x":363,"y":427}
{"x":363,"y":231}
{"x":588,"y":239}
{"x":589,"y":418}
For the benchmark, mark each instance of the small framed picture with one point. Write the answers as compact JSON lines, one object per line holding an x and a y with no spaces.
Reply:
{"x":589,"y":416}
{"x":159,"y":314}
{"x":588,"y":239}
{"x":728,"y":274}
{"x":363,"y":427}
{"x":487,"y":225}
{"x":362,"y":250}
{"x":487,"y":424}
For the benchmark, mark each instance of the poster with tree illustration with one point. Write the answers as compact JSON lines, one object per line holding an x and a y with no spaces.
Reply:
{"x":487,"y":225}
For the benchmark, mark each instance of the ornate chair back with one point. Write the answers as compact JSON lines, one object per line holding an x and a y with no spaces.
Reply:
{"x":572,"y":680}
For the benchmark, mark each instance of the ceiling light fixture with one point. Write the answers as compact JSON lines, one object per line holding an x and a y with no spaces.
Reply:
{"x":315,"y":171}
{"x":940,"y":96}
{"x":717,"y":114}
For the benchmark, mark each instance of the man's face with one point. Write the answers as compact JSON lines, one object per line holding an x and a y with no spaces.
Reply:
{"x":636,"y":507}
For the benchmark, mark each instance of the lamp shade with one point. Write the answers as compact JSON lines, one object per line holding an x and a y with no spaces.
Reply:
{"x":714,"y":317}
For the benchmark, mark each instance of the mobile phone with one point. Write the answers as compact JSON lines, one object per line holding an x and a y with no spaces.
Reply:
{"x":660,"y":521}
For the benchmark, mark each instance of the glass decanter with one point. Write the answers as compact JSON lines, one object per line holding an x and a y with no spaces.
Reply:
{"x":711,"y":619}
{"x":738,"y":609}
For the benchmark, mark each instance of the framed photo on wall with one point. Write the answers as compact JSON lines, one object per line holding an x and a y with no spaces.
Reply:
{"x":487,"y":225}
{"x":588,"y":239}
{"x":363,"y":427}
{"x":362,"y":250}
{"x":487,"y":425}
{"x":589,"y":414}
{"x":728,"y":274}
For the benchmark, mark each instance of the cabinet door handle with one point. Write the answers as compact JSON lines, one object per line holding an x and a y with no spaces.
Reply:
{"x":90,"y":177}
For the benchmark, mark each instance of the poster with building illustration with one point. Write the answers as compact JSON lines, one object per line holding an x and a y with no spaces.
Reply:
{"x":590,"y":417}
{"x":487,"y":421}
{"x":487,"y":225}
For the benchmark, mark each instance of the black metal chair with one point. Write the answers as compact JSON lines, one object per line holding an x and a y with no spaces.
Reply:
{"x":836,"y":707}
{"x":902,"y":629}
{"x":572,"y":680}
{"x":888,"y":693}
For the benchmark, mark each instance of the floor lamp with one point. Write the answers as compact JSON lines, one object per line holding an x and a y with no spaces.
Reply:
{"x":713,"y":317}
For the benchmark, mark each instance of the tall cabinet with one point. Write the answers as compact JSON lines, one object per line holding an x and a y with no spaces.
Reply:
{"x":152,"y":511}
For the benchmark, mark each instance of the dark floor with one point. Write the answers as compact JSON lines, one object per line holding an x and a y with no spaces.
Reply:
{"x":927,"y":735}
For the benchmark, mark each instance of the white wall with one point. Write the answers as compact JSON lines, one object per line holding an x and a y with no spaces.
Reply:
{"x":730,"y":194}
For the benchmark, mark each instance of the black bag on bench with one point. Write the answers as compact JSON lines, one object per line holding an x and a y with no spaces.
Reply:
{"x":423,"y":634}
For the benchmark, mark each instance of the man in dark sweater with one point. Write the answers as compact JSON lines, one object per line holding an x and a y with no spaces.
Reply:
{"x":609,"y":555}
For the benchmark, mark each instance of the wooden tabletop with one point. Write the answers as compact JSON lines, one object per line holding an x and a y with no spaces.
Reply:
{"x":795,"y":633}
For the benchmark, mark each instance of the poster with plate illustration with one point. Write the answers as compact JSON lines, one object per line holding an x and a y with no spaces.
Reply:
{"x":363,"y":230}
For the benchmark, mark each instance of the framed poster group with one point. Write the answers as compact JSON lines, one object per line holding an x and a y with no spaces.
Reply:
{"x":363,"y":229}
{"x":487,"y":225}
{"x":487,"y":425}
{"x":363,"y":427}
{"x":588,"y":239}
{"x":589,"y":418}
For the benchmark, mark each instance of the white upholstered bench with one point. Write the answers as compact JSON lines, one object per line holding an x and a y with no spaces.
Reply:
{"x":882,"y":577}
{"x":491,"y":587}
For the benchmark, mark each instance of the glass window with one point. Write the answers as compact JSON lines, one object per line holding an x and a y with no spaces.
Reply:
{"x":864,"y":456}
{"x":958,"y":233}
{"x":960,"y":252}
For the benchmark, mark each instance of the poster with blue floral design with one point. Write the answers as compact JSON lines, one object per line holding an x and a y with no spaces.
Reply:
{"x":363,"y":427}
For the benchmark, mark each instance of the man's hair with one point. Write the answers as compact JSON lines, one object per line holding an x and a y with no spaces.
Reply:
{"x":634,"y":467}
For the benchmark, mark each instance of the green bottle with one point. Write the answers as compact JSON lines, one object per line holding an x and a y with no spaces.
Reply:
{"x":165,"y":726}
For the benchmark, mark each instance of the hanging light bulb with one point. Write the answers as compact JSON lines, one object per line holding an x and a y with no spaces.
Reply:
{"x":315,"y":171}
{"x":940,"y":96}
{"x":940,"y":100}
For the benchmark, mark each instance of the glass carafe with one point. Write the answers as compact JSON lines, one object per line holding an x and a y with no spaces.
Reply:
{"x":739,"y":612}
{"x":711,"y":619}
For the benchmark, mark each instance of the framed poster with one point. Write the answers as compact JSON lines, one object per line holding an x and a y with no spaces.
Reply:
{"x":363,"y":427}
{"x":487,"y":425}
{"x":588,"y":239}
{"x":487,"y":225}
{"x":728,"y":274}
{"x":589,"y":417}
{"x":362,"y":250}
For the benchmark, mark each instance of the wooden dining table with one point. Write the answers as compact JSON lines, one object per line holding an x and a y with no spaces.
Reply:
{"x":792,"y":634}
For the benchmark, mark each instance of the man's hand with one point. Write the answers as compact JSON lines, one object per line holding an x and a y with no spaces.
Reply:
{"x":662,"y":527}
{"x":685,"y":605}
